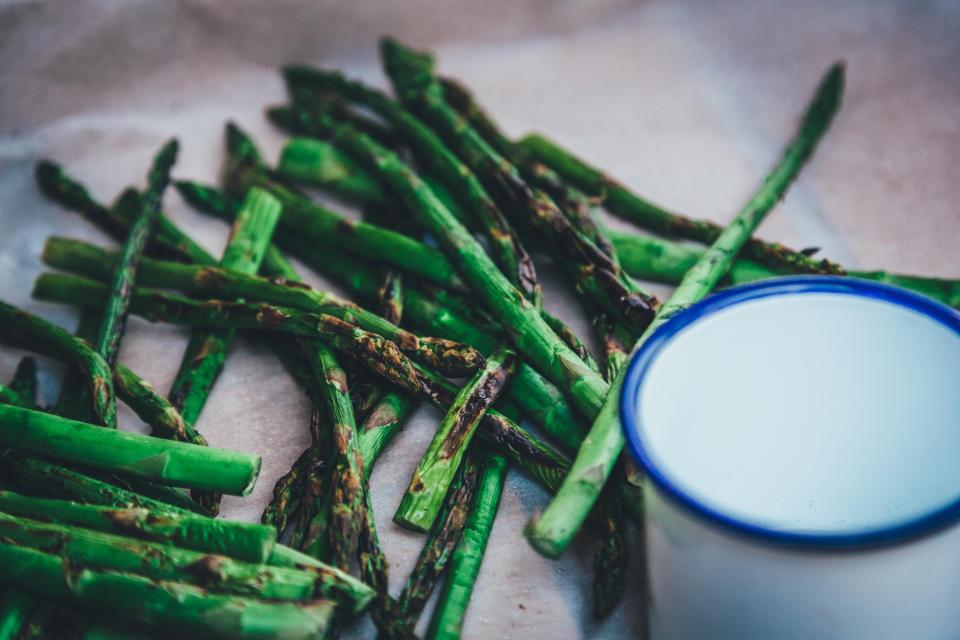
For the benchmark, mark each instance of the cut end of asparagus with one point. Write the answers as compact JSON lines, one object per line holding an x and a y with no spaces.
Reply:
{"x":545,"y":546}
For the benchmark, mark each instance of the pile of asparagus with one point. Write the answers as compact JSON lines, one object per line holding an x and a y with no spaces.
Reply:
{"x":442,"y":270}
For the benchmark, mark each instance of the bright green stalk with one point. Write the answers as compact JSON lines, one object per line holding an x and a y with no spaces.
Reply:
{"x":152,"y":408}
{"x":660,"y":260}
{"x":172,"y":605}
{"x":105,"y":551}
{"x":449,"y":358}
{"x":422,"y":501}
{"x":121,"y":284}
{"x":10,"y":396}
{"x":19,"y":328}
{"x":162,"y":461}
{"x":16,"y":607}
{"x":241,"y":540}
{"x":552,"y":532}
{"x":447,"y":620}
{"x":382,"y":423}
{"x":207,"y":350}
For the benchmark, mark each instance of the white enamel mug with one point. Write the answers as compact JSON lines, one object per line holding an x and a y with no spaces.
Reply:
{"x":801,"y":441}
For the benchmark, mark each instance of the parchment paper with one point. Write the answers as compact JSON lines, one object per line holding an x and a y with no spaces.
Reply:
{"x":688,"y":102}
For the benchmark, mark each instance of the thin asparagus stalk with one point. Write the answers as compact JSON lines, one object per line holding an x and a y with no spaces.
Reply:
{"x":381,"y":425}
{"x":121,"y":284}
{"x":24,"y":381}
{"x":422,"y":501}
{"x":9,"y":396}
{"x":73,"y":400}
{"x":104,"y":551}
{"x":447,"y":620}
{"x":448,"y":357}
{"x":439,"y":545}
{"x":19,"y":328}
{"x":660,"y":260}
{"x":328,"y":102}
{"x":152,"y":408}
{"x":167,"y":241}
{"x":132,"y":454}
{"x":347,"y":505}
{"x":285,"y":499}
{"x":508,"y":252}
{"x":551,"y":533}
{"x":207,"y":350}
{"x":596,"y":275}
{"x":171,"y":604}
{"x":573,"y":203}
{"x":35,"y":474}
{"x":623,"y":202}
{"x":241,"y":540}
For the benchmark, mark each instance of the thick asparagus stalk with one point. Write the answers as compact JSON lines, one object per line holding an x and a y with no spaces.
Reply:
{"x":104,"y":551}
{"x":447,"y":620}
{"x":121,"y":284}
{"x":19,"y":328}
{"x":623,"y":202}
{"x":446,"y":356}
{"x":171,"y":604}
{"x":439,"y":545}
{"x":552,"y":532}
{"x":162,"y":461}
{"x":508,"y":252}
{"x":241,"y":540}
{"x":207,"y":350}
{"x":660,"y":260}
{"x":422,"y":501}
{"x":596,"y":275}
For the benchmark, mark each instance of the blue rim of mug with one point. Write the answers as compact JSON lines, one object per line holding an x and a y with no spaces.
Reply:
{"x":647,"y":354}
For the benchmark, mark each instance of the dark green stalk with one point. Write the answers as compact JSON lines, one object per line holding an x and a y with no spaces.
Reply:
{"x":152,"y":408}
{"x":9,"y":396}
{"x":173,"y":605}
{"x":447,"y":620}
{"x":129,"y":454}
{"x":286,"y":492}
{"x":121,"y":283}
{"x":595,"y":274}
{"x":623,"y":202}
{"x":423,"y":499}
{"x":439,"y":546}
{"x":21,"y":329}
{"x":430,"y":151}
{"x":448,"y":357}
{"x":553,"y":531}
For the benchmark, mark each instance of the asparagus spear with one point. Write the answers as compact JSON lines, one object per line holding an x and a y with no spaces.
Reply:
{"x":207,"y":350}
{"x":9,"y":396}
{"x":24,"y":381}
{"x":596,"y":275}
{"x":660,"y":260}
{"x":422,"y":501}
{"x":552,"y":532}
{"x":447,"y":620}
{"x":285,"y":499}
{"x":621,"y":201}
{"x":121,"y":284}
{"x":174,"y":605}
{"x":152,"y":408}
{"x":104,"y":551}
{"x":446,"y":356}
{"x":508,"y":252}
{"x":439,"y":545}
{"x":163,"y":461}
{"x":248,"y":542}
{"x":16,"y":607}
{"x":19,"y":328}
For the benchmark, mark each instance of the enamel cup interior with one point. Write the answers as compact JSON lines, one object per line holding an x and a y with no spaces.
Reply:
{"x":818,"y":414}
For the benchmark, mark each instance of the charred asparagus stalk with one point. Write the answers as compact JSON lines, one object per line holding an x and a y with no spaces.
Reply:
{"x":447,"y":620}
{"x":121,"y":283}
{"x":132,"y":454}
{"x":552,"y":532}
{"x":422,"y":501}
{"x":175,"y":605}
